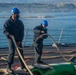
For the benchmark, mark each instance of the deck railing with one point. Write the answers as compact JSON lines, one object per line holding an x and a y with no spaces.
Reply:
{"x":60,"y":36}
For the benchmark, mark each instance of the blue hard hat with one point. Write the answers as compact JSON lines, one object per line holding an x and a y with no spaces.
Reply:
{"x":45,"y":23}
{"x":15,"y":10}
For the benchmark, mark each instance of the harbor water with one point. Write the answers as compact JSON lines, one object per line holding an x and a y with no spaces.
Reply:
{"x":57,"y":21}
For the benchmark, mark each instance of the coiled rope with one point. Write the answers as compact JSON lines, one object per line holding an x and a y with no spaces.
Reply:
{"x":21,"y":56}
{"x":55,"y":46}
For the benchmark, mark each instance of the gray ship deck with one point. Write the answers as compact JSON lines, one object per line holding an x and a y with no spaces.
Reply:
{"x":50,"y":55}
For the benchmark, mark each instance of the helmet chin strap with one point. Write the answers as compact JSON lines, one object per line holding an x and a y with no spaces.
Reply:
{"x":15,"y":17}
{"x":43,"y":26}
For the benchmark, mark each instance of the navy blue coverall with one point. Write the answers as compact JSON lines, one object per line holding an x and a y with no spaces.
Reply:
{"x":38,"y":46}
{"x":15,"y":28}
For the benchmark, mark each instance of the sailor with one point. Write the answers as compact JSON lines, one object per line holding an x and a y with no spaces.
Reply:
{"x":38,"y":46}
{"x":14,"y":27}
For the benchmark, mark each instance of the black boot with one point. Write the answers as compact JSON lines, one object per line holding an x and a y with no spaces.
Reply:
{"x":9,"y":69}
{"x":73,"y":60}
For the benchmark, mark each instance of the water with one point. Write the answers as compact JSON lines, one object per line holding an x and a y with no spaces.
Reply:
{"x":56,"y":20}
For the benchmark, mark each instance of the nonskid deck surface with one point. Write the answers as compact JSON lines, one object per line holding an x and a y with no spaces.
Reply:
{"x":50,"y":55}
{"x":18,"y":71}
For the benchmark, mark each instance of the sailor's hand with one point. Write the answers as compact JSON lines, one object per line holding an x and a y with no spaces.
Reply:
{"x":10,"y":36}
{"x":42,"y":32}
